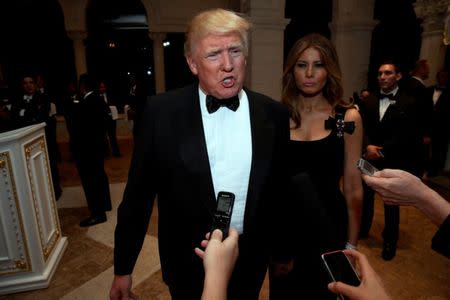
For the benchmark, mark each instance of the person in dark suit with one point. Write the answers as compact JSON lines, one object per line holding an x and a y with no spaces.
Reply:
{"x":88,"y":117}
{"x":32,"y":107}
{"x":416,"y":87}
{"x":393,"y":140}
{"x":188,"y":148}
{"x":440,"y":135}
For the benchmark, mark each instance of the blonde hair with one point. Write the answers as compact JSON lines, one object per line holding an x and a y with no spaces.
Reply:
{"x":216,"y":21}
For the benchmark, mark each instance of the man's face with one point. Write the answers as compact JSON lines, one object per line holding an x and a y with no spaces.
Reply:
{"x":219,"y":63}
{"x":102,"y":88}
{"x":28,"y":85}
{"x":388,"y":78}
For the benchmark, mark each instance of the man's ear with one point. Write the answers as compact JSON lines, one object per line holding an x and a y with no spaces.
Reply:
{"x":399,"y":76}
{"x":192,"y":64}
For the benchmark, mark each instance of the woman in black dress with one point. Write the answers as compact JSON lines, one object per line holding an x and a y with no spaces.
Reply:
{"x":326,"y":142}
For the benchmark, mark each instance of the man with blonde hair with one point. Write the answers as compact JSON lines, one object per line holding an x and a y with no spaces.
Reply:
{"x":194,"y":142}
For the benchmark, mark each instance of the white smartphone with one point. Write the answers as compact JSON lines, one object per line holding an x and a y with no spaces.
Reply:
{"x":365,"y":167}
{"x":340,"y":268}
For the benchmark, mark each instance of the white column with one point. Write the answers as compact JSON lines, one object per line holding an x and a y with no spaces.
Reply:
{"x":265,"y":61}
{"x":351,"y":33}
{"x":158,"y":58}
{"x":433,"y":14}
{"x":78,"y":37}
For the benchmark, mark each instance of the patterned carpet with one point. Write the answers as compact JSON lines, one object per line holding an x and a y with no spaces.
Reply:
{"x":86,"y":269}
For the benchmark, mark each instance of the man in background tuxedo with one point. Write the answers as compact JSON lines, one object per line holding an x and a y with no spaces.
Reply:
{"x":194,"y":142}
{"x":416,"y":87}
{"x":88,"y":115}
{"x":440,"y":95}
{"x":392,"y":141}
{"x":32,"y":107}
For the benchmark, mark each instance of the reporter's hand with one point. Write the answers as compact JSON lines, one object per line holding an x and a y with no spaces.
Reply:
{"x":218,"y":260}
{"x":121,"y":288}
{"x":396,"y":187}
{"x":219,"y":256}
{"x":371,"y":287}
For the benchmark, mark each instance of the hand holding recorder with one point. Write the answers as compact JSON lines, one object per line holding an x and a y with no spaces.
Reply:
{"x":224,"y":211}
{"x":219,"y":259}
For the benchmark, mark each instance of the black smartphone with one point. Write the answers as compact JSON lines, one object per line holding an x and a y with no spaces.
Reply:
{"x":340,"y":268}
{"x":365,"y":167}
{"x":224,"y":210}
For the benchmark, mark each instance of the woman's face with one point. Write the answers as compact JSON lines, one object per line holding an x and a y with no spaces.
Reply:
{"x":310,"y":73}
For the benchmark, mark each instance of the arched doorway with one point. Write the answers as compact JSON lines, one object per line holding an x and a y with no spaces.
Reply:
{"x":118,"y":48}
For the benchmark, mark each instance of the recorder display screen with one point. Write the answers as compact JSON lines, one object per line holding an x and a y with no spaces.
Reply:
{"x":223,"y":205}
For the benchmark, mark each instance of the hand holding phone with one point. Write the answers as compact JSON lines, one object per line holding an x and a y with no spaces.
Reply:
{"x":365,"y":167}
{"x":340,"y":268}
{"x":224,"y":210}
{"x":371,"y":285}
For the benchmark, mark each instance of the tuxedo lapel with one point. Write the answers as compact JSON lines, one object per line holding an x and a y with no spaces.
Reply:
{"x":373,"y":107}
{"x":262,"y":140}
{"x":193,"y":149}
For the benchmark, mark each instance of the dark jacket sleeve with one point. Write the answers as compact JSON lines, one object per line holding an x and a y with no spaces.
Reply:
{"x":134,"y":212}
{"x":441,"y":240}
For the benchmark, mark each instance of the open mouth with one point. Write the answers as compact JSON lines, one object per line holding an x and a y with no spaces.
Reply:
{"x":228,"y":82}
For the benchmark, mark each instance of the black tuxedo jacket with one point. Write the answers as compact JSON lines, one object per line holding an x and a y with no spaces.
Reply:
{"x":398,"y":132}
{"x":34,"y":111}
{"x":87,"y":126}
{"x":441,"y":113}
{"x":425,"y":104}
{"x":170,"y":160}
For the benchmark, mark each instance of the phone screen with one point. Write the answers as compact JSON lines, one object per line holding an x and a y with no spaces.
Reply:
{"x":340,"y":268}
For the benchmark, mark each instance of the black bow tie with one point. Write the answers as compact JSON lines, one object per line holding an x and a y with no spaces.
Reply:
{"x":213,"y":104}
{"x":390,"y":96}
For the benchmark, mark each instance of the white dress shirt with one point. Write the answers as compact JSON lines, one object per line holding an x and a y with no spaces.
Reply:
{"x":436,"y":94}
{"x":229,"y":144}
{"x":385,"y":102}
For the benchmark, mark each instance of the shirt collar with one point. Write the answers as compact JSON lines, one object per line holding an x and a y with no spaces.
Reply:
{"x":394,"y":91}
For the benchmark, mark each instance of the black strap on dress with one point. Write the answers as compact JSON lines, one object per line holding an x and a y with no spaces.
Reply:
{"x":338,"y":124}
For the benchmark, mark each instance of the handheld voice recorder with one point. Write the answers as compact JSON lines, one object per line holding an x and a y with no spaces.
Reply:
{"x":224,"y":210}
